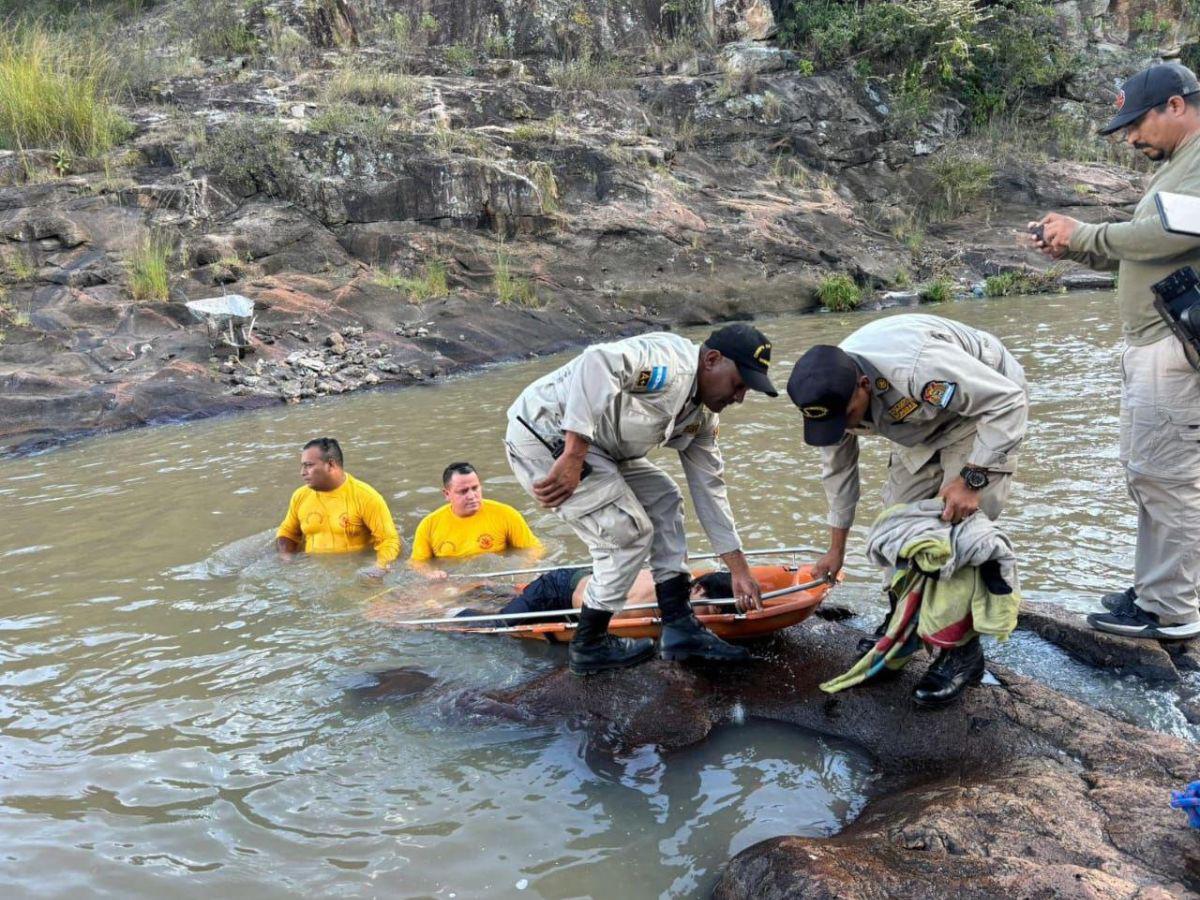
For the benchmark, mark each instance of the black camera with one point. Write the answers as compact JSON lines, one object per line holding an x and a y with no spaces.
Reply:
{"x":1177,"y":299}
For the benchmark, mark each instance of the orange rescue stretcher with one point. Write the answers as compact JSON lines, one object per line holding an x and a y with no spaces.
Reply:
{"x":798,"y":595}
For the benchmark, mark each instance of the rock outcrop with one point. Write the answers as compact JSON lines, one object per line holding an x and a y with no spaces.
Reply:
{"x":1016,"y":792}
{"x":470,"y":182}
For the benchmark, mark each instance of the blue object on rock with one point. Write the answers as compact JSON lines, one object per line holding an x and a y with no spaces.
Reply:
{"x":1189,"y":801}
{"x":977,"y":289}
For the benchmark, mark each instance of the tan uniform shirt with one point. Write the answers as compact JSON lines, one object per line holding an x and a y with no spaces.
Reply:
{"x":1141,"y":251}
{"x":629,"y":397}
{"x":934,"y":382}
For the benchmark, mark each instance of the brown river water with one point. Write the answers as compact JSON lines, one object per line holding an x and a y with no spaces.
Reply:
{"x":181,"y":714}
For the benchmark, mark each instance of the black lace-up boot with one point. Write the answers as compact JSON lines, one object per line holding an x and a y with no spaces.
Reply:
{"x":593,"y":649}
{"x":683,"y":637}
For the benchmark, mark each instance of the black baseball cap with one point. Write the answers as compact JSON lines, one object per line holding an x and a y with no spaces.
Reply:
{"x":822,"y":383}
{"x":1150,"y":88}
{"x":750,"y":349}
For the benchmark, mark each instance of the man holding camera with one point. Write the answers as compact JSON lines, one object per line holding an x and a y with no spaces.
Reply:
{"x":1159,"y":110}
{"x":577,"y":441}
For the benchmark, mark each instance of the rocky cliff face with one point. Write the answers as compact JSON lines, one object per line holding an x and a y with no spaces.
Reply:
{"x":409,"y":187}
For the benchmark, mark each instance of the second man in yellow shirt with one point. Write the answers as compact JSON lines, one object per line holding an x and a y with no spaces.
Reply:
{"x":468,"y":525}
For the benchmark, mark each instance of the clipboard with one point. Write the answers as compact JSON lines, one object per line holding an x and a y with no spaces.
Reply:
{"x":1179,"y":213}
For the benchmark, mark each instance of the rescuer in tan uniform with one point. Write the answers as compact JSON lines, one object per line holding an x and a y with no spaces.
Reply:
{"x":953,"y":401}
{"x":1159,"y":109}
{"x":609,"y":407}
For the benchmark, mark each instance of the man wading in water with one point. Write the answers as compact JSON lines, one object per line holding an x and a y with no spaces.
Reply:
{"x":1159,"y":109}
{"x":606,"y":410}
{"x":335,"y":512}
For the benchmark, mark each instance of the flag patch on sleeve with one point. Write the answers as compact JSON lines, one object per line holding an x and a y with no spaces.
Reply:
{"x":651,"y":380}
{"x":939,"y":393}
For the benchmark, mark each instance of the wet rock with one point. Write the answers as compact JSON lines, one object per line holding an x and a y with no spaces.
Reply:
{"x":1191,"y":709}
{"x":1070,"y":631}
{"x":1017,"y":791}
{"x":1184,"y":654}
{"x":1088,"y":281}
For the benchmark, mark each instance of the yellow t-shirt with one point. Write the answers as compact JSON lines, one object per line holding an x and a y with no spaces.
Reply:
{"x":495,"y":528}
{"x":347,"y":519}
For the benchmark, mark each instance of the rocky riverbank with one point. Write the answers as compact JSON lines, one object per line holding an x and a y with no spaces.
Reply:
{"x":402,"y":204}
{"x":1018,"y":791}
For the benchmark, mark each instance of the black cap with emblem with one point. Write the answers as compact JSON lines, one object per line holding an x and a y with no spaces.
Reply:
{"x":750,"y":350}
{"x":1149,"y":88}
{"x":822,"y":383}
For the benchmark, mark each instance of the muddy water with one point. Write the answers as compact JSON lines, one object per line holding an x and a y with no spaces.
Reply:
{"x":182,"y":713}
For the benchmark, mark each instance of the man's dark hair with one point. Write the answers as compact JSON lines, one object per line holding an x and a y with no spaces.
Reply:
{"x":716,"y":585}
{"x":456,"y":468}
{"x":331,"y":450}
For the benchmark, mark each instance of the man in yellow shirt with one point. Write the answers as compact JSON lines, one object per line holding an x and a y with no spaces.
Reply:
{"x":468,"y":525}
{"x":335,"y":512}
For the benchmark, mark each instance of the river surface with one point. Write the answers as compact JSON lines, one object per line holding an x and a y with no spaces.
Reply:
{"x":181,"y":713}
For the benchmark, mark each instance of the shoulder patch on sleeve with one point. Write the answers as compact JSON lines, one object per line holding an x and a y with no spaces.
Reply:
{"x":651,"y":380}
{"x":903,"y":408}
{"x":939,"y":393}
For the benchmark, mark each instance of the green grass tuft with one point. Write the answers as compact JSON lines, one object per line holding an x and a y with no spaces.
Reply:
{"x":430,"y":284}
{"x":839,"y":293}
{"x":512,"y":288}
{"x":1010,"y":284}
{"x":149,"y":268}
{"x":938,"y":291}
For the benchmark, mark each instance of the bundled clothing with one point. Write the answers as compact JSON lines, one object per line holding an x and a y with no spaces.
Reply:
{"x":951,"y":583}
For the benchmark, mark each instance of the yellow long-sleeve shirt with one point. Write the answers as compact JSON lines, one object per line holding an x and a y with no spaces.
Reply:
{"x":347,"y":519}
{"x":495,"y":528}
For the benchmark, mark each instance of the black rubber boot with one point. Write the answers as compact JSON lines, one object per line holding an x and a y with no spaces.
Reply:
{"x":683,"y":637}
{"x":949,"y":675}
{"x":593,"y":649}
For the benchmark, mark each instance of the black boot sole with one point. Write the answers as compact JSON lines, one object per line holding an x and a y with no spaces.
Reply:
{"x":682,"y":655}
{"x":949,"y":701}
{"x":628,"y":663}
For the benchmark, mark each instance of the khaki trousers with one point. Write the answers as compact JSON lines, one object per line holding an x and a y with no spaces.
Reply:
{"x":1160,"y":450}
{"x":626,"y":513}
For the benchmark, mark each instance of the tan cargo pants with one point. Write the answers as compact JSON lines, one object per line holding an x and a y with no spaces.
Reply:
{"x":1160,"y":450}
{"x":626,"y":513}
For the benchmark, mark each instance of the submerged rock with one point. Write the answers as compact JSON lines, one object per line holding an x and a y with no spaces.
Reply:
{"x":1070,"y":631}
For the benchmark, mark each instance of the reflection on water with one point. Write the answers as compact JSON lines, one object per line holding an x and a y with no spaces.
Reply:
{"x":176,"y":702}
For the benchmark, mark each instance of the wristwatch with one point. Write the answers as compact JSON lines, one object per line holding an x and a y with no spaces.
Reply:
{"x":976,"y":479}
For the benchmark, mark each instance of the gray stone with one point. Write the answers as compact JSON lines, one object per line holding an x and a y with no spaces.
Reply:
{"x":1070,"y":632}
{"x":745,"y":58}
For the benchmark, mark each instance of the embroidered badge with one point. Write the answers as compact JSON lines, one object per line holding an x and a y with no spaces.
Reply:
{"x":881,"y":384}
{"x":650,"y":380}
{"x":814,"y":412}
{"x":692,"y":429}
{"x":903,"y":408}
{"x":939,"y":393}
{"x":486,"y":542}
